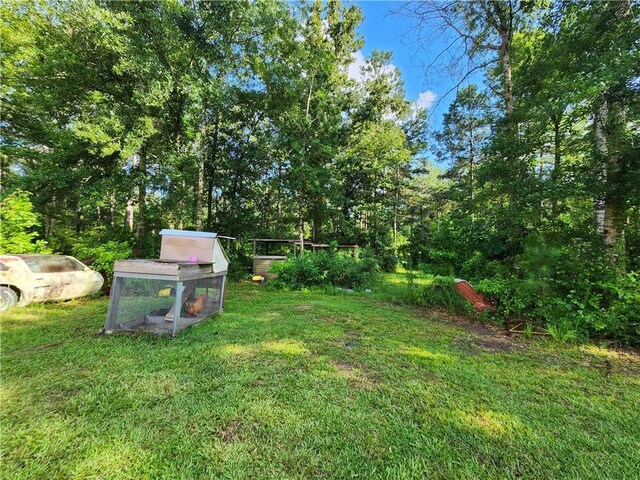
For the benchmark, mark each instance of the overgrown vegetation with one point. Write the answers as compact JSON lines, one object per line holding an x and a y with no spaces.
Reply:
{"x":539,"y":204}
{"x":326,"y":269}
{"x":438,"y":292}
{"x":307,"y":385}
{"x":102,"y":257}
{"x":19,"y":225}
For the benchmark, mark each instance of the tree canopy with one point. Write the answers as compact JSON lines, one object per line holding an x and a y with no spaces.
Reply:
{"x":122,"y":118}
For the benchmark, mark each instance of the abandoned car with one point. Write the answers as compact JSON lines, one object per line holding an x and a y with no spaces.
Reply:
{"x":41,"y":278}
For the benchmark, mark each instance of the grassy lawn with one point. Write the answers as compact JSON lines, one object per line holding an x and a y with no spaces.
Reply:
{"x":306,"y":385}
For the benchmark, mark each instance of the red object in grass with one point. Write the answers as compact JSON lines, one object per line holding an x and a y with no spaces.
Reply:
{"x":467,"y":291}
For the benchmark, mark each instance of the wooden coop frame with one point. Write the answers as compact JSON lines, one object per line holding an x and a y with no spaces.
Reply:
{"x":190,"y":274}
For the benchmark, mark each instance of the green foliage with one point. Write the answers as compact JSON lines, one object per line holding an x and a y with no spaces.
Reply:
{"x":387,"y":259}
{"x":18,"y":225}
{"x":440,"y":292}
{"x":102,"y":256}
{"x":554,"y":288}
{"x":323,"y":269}
{"x":240,"y":262}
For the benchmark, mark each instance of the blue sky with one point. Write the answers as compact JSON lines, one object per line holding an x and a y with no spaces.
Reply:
{"x":384,"y":30}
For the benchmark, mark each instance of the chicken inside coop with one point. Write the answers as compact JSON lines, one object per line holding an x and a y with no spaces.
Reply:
{"x":169,"y":294}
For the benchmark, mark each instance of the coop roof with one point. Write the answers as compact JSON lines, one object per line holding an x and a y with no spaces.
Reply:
{"x":187,"y":233}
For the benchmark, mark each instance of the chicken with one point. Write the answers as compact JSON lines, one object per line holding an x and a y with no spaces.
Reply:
{"x":197,"y":306}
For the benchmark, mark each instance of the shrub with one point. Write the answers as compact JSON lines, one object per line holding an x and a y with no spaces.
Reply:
{"x":440,"y":293}
{"x":324,"y":269}
{"x":18,"y":225}
{"x":571,"y":308}
{"x":622,"y":317}
{"x":102,"y":257}
{"x":388,"y":260}
{"x":239,"y":263}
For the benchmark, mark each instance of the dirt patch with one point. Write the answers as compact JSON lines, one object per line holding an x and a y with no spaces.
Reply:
{"x":229,"y":433}
{"x":356,"y":378}
{"x":326,"y":318}
{"x":351,"y":340}
{"x":622,"y":362}
{"x":484,"y":339}
{"x":63,"y":396}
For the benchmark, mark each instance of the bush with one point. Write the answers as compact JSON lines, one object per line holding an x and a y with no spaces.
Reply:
{"x":102,"y":257}
{"x":323,"y":269}
{"x":19,"y":224}
{"x":571,"y":308}
{"x":440,"y":293}
{"x":239,"y":263}
{"x":388,"y":260}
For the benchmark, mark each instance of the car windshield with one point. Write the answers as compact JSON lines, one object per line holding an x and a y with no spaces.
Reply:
{"x":52,"y":264}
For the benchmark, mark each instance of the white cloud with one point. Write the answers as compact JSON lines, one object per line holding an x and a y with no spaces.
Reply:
{"x":425,"y":100}
{"x":358,"y":61}
{"x":354,"y":71}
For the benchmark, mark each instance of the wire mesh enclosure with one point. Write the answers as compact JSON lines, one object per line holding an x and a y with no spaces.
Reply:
{"x":164,"y":306}
{"x":184,"y":286}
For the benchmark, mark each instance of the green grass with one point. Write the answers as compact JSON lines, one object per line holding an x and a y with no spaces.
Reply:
{"x":307,"y":385}
{"x":393,"y":286}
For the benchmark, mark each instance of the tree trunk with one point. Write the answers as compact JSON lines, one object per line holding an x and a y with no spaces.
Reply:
{"x":317,"y":224}
{"x":181,"y":208}
{"x":211,"y":169}
{"x":301,"y":227}
{"x":112,"y":208}
{"x":557,"y":162}
{"x":396,"y":201}
{"x":264,"y":214}
{"x":472,"y":154}
{"x":142,"y":193}
{"x":78,"y":222}
{"x":301,"y":194}
{"x":209,"y":203}
{"x":128,"y":218}
{"x":202,"y":154}
{"x":615,"y":205}
{"x":507,"y":83}
{"x":279,"y":193}
{"x":608,"y":134}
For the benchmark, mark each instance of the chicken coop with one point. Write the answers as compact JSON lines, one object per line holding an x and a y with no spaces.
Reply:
{"x":184,"y":286}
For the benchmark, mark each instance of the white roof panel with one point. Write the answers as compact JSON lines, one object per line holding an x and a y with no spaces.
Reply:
{"x":187,"y":233}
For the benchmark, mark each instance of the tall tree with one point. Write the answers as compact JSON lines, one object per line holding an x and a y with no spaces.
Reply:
{"x":462,"y":139}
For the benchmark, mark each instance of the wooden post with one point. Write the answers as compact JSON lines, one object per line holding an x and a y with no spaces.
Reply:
{"x":178,"y":305}
{"x":114,"y":301}
{"x":223,"y":292}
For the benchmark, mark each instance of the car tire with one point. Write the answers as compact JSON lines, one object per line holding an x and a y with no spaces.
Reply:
{"x":8,"y":298}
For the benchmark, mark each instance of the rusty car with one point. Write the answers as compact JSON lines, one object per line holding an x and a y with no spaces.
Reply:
{"x":42,"y":278}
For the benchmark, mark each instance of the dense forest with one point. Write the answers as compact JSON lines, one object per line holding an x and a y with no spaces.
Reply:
{"x":123,"y":118}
